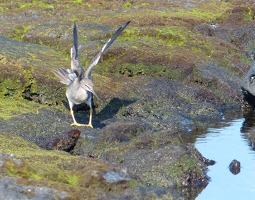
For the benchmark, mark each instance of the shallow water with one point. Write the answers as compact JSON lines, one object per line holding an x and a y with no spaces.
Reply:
{"x":224,"y":145}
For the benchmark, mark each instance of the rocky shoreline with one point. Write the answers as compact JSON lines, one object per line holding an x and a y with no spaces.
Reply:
{"x":167,"y":76}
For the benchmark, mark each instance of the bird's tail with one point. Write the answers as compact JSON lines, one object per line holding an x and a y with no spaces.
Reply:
{"x":66,"y":76}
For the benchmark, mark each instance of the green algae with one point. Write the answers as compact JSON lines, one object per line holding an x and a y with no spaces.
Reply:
{"x":131,"y":70}
{"x":10,"y":107}
{"x":77,"y":1}
{"x":26,"y":73}
{"x":20,"y":32}
{"x":209,"y":11}
{"x":184,"y":165}
{"x":127,"y":4}
{"x":249,"y":16}
{"x":40,"y":4}
{"x":79,"y":176}
{"x":142,"y":149}
{"x":35,"y":163}
{"x":173,"y":35}
{"x":13,"y":85}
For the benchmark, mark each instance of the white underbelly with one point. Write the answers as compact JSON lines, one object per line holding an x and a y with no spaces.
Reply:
{"x":79,"y":96}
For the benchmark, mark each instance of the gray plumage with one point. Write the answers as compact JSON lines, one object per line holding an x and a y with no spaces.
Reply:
{"x":78,"y":80}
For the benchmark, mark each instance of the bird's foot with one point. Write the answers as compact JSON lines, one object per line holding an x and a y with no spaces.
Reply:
{"x":78,"y":124}
{"x":89,"y":125}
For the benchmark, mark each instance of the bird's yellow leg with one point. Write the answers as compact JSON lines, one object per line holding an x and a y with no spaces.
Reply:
{"x":74,"y":121}
{"x":90,"y":118}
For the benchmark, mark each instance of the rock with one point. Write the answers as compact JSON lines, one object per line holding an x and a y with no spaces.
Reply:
{"x":208,"y":162}
{"x":168,"y":74}
{"x":154,"y":158}
{"x":28,"y":78}
{"x":248,"y":86}
{"x":113,"y":177}
{"x":65,"y":141}
{"x":11,"y":191}
{"x":234,"y":167}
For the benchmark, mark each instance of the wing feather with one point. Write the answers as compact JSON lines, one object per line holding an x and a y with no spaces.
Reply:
{"x":94,"y":61}
{"x":66,"y":76}
{"x":75,"y":61}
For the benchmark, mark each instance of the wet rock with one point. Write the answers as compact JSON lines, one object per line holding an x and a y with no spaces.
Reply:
{"x":234,"y":167}
{"x":248,"y":86}
{"x":248,"y":99}
{"x":208,"y":161}
{"x":148,"y":193}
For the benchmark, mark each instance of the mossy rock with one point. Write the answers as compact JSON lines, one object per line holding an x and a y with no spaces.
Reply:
{"x":80,"y":177}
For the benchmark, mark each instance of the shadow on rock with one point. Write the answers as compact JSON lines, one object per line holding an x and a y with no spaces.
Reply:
{"x":108,"y":112}
{"x":113,"y":107}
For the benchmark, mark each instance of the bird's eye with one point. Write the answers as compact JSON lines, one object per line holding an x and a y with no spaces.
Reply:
{"x":252,"y":78}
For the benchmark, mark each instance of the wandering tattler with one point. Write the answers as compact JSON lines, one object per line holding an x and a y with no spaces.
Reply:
{"x":78,"y":81}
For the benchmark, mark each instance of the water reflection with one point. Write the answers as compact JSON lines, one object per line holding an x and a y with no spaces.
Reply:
{"x":223,"y":145}
{"x":248,"y":128}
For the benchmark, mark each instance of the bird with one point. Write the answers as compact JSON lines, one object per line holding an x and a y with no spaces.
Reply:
{"x":79,"y":84}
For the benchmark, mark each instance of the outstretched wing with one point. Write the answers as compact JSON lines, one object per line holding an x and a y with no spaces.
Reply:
{"x":75,"y":61}
{"x":95,"y":60}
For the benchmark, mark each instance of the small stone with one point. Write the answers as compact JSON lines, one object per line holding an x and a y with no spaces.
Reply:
{"x":235,"y":166}
{"x":113,"y":177}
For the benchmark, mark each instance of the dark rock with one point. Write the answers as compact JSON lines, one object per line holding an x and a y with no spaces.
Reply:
{"x":122,"y":132}
{"x":208,"y":161}
{"x":65,"y":141}
{"x":248,"y":99}
{"x":213,"y":30}
{"x":234,"y":167}
{"x":248,"y":86}
{"x":148,"y":192}
{"x":154,"y":158}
